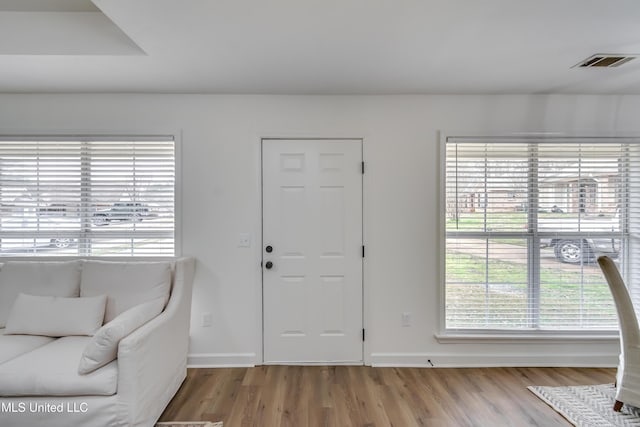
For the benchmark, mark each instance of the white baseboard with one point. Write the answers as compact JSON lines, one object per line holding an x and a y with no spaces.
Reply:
{"x":424,"y":360}
{"x":221,"y":360}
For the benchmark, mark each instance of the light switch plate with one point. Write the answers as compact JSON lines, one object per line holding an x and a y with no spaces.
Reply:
{"x":206,"y":319}
{"x":244,"y":240}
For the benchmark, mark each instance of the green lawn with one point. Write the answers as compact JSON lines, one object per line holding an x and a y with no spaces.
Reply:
{"x":567,"y":295}
{"x":500,"y":221}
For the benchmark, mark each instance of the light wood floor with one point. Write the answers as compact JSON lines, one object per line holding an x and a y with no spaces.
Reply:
{"x":343,"y":396}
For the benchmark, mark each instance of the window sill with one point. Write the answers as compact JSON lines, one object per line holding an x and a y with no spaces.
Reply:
{"x":524,"y":338}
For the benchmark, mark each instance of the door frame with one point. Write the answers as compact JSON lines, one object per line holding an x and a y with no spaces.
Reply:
{"x":259,"y":357}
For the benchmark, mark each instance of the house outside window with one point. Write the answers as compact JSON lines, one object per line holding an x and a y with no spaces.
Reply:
{"x":525,"y":260}
{"x":87,"y":196}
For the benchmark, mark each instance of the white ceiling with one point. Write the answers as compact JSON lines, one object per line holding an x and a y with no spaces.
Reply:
{"x":317,"y":46}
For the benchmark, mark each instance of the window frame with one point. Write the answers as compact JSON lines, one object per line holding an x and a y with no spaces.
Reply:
{"x":488,"y":335}
{"x":174,"y":137}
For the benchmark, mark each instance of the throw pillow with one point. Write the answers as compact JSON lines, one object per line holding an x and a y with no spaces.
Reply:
{"x":103,"y":346}
{"x":55,"y":316}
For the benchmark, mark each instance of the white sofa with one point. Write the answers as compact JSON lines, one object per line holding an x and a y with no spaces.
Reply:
{"x":56,"y":344}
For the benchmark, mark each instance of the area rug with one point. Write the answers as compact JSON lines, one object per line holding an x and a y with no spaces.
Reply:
{"x":588,"y":406}
{"x":189,"y":424}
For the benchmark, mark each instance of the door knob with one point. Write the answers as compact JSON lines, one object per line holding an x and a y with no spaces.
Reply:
{"x":268,"y":265}
{"x":269,"y":249}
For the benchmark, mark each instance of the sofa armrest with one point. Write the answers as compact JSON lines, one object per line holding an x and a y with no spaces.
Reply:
{"x":152,"y":359}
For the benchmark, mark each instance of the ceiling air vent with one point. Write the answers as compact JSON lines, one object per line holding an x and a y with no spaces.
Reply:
{"x":605,"y":60}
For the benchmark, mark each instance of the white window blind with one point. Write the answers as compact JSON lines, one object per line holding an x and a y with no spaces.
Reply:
{"x":87,"y":197}
{"x":525,"y":221}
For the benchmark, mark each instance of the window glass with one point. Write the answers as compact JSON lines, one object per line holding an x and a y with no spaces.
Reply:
{"x":87,"y":197}
{"x":526,"y":220}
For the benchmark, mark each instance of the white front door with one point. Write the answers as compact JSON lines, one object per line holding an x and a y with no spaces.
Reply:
{"x":312,"y":251}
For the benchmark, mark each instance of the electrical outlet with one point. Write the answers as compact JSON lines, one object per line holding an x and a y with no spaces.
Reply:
{"x":206,"y":320}
{"x":406,"y":319}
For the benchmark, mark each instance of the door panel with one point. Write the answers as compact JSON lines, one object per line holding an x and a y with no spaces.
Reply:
{"x":312,"y":218}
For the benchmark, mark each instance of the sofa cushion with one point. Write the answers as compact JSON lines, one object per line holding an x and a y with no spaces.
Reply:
{"x":52,"y":370}
{"x":103,"y":346}
{"x":126,"y":284}
{"x":56,"y":316}
{"x":14,"y":345}
{"x":61,"y":279}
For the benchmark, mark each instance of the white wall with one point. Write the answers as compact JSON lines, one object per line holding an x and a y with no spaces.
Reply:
{"x":221,"y":198}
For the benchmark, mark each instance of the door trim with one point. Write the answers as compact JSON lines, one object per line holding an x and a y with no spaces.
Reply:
{"x":366,"y":359}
